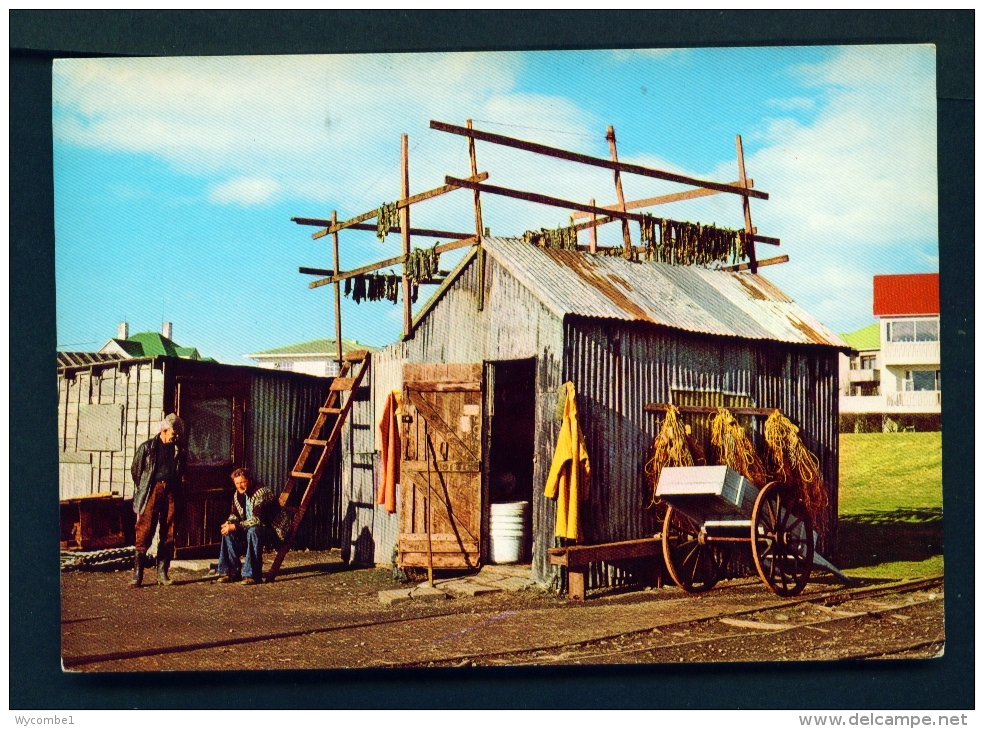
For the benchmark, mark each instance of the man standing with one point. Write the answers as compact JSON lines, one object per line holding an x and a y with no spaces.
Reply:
{"x":254,"y":508}
{"x":157,"y":468}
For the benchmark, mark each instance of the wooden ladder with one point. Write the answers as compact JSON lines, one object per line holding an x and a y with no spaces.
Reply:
{"x":343,"y":383}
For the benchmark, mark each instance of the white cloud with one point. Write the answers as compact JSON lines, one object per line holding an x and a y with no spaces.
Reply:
{"x":793,"y":103}
{"x":244,"y":191}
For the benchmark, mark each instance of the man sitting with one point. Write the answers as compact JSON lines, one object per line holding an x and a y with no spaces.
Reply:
{"x":255,"y":513}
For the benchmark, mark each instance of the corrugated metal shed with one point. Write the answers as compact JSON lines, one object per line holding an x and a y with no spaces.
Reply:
{"x":280,"y":410}
{"x":626,"y":334}
{"x":693,"y":299}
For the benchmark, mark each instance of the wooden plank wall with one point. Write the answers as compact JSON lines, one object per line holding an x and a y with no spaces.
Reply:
{"x":140,"y":389}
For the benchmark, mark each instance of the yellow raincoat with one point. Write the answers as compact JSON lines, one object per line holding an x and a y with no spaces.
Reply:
{"x":567,"y":481}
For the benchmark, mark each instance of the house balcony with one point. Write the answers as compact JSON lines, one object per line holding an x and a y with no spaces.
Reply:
{"x":922,"y":402}
{"x":864,"y":376}
{"x":910,"y":353}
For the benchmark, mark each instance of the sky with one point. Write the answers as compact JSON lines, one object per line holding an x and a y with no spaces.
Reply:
{"x":176,"y":178}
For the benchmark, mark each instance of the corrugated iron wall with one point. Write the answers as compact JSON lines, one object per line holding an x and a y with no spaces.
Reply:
{"x":282,"y":410}
{"x":357,"y":503}
{"x":617,"y":368}
{"x":512,"y":325}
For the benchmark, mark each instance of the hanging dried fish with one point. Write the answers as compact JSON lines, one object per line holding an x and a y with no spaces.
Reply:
{"x":562,"y":238}
{"x":689,"y":244}
{"x":388,"y":216}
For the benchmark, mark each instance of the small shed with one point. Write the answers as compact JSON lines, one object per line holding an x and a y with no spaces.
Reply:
{"x":236,"y":416}
{"x":626,"y":334}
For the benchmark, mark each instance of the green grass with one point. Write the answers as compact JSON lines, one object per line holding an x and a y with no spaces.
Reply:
{"x":890,"y":505}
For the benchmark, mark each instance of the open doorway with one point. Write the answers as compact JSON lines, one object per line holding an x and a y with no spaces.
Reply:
{"x":510,"y":408}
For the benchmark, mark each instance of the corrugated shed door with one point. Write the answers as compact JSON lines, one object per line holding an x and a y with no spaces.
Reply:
{"x":440,"y":476}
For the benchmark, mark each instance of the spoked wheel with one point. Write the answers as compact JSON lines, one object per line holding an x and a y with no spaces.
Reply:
{"x":782,"y":540}
{"x":693,"y":565}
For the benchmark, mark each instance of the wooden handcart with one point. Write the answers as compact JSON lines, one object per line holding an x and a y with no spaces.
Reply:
{"x":713,"y":509}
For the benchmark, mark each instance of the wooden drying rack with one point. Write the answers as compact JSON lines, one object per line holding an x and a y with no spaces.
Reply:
{"x":597,"y":216}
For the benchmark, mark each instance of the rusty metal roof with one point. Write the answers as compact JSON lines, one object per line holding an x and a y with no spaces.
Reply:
{"x":681,"y":297}
{"x":74,"y":359}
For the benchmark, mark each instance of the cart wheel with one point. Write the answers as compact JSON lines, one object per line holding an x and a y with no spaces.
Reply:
{"x":782,"y":540}
{"x":694,"y":566}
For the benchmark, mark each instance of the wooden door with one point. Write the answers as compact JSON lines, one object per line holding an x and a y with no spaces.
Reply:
{"x":213,"y":413}
{"x":441,"y":476}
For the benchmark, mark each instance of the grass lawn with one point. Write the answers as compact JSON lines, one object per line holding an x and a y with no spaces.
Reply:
{"x":891,"y":505}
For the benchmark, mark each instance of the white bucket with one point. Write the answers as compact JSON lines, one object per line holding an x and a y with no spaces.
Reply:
{"x":506,"y":550}
{"x":511,"y":509}
{"x":507,"y":529}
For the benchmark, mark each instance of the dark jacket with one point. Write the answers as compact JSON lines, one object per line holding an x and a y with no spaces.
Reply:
{"x":266,"y":511}
{"x":142,"y":469}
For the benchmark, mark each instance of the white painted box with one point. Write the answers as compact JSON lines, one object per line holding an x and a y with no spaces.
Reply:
{"x":707,"y":492}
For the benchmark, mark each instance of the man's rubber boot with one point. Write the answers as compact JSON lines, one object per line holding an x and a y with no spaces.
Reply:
{"x":162,"y":578}
{"x":137,"y":570}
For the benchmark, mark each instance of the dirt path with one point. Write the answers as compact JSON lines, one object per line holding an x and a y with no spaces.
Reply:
{"x":320,"y":615}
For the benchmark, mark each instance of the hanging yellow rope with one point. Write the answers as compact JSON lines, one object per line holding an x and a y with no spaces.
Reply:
{"x":793,"y":464}
{"x":734,"y":449}
{"x":671,"y":448}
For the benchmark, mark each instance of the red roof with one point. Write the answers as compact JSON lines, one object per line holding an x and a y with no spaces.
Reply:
{"x":908,"y":294}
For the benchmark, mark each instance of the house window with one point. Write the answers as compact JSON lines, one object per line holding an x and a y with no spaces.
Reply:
{"x":868,"y":361}
{"x":920,"y":381}
{"x":922,"y":330}
{"x":927,"y":331}
{"x":901,"y":331}
{"x":854,"y":363}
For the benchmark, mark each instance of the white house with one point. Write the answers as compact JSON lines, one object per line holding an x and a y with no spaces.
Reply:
{"x":895,"y":369}
{"x":317,"y":357}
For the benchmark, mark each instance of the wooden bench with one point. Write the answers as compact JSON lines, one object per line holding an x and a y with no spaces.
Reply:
{"x":577,"y":558}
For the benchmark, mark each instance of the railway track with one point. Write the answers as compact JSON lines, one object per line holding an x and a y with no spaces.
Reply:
{"x":568,"y":651}
{"x":539,"y":654}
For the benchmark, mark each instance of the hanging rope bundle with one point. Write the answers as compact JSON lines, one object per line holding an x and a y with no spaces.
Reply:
{"x":387,"y":217}
{"x":793,"y":464}
{"x":562,"y":238}
{"x":690,"y":244}
{"x":734,"y":449}
{"x":672,"y":447}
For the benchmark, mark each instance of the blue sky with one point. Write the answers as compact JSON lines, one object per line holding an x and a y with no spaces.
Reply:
{"x":176,"y":178}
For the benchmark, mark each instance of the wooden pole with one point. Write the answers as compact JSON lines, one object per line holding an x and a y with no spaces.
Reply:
{"x":427,"y":508}
{"x":626,"y":237}
{"x":544,"y":200}
{"x":594,"y":161}
{"x":746,"y":207}
{"x":338,"y":293}
{"x":405,"y":233}
{"x":402,"y":203}
{"x":663,"y":199}
{"x":426,"y":232}
{"x":763,"y":262}
{"x":394,"y":261}
{"x":593,"y":241}
{"x":478,"y":222}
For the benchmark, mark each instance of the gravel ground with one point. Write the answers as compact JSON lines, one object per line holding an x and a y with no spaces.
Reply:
{"x":319,"y":614}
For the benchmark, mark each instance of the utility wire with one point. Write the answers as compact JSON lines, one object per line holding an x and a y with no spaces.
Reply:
{"x":541,"y":129}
